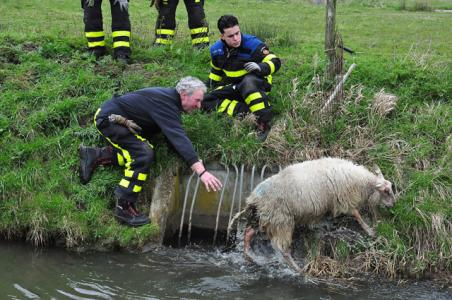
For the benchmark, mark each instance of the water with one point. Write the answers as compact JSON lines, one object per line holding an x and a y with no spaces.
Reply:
{"x":168,"y":273}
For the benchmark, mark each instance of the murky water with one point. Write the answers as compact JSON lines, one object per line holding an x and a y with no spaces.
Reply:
{"x":187,"y":273}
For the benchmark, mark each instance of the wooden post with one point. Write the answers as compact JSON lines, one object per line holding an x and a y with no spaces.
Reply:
{"x":330,"y":32}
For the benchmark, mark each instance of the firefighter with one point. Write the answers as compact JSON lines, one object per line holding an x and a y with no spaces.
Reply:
{"x":241,"y":75}
{"x":128,"y":123}
{"x":120,"y":28}
{"x":165,"y":28}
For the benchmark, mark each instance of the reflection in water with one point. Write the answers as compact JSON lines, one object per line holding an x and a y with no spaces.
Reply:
{"x":168,"y":273}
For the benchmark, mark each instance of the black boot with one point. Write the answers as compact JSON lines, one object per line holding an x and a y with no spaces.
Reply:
{"x":90,"y":158}
{"x":122,"y":55}
{"x":128,"y":214}
{"x":98,"y":52}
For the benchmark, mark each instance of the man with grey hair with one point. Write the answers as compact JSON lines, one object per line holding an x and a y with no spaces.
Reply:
{"x":128,"y":123}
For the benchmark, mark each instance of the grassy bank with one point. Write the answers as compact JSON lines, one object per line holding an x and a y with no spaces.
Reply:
{"x":50,"y":90}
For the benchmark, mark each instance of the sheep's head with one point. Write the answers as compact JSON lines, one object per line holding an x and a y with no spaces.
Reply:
{"x":383,"y":193}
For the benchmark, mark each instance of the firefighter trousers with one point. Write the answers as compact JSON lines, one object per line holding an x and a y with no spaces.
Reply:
{"x":165,"y":28}
{"x":249,"y":95}
{"x":120,"y":26}
{"x":133,"y":152}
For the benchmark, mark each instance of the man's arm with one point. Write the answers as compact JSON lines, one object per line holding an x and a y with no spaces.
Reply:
{"x":269,"y":63}
{"x":171,"y":126}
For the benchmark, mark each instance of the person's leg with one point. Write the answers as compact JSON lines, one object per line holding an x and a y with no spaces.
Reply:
{"x":120,"y":30}
{"x":94,"y":33}
{"x":165,"y":27}
{"x":199,"y":28}
{"x":254,"y":90}
{"x":225,"y":99}
{"x":138,"y":156}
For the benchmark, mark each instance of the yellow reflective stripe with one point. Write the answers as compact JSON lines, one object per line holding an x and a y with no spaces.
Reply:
{"x":231,"y":107}
{"x":120,"y":33}
{"x":121,"y":161}
{"x":96,"y":44}
{"x":128,"y":173}
{"x":124,"y":183}
{"x":272,"y":66}
{"x":215,"y":77}
{"x":163,"y":41}
{"x":137,"y":189}
{"x":200,"y":40}
{"x":142,"y":176}
{"x":268,"y":57}
{"x":238,"y":73}
{"x":95,"y":116}
{"x":199,"y":30}
{"x":94,"y":34}
{"x":257,"y":107}
{"x":197,"y":1}
{"x":269,"y":79}
{"x":252,"y":96}
{"x":121,"y":44}
{"x":165,"y":31}
{"x":223,"y":105}
{"x":213,"y":66}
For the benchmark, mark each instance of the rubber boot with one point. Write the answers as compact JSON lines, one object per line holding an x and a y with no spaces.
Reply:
{"x":90,"y":158}
{"x":98,"y":52}
{"x":122,"y":55}
{"x":128,"y":214}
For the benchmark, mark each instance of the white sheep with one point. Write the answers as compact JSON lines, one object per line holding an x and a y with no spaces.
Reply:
{"x":305,"y":192}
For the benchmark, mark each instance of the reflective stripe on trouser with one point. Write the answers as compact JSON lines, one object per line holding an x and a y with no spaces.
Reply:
{"x":137,"y":154}
{"x":247,"y":96}
{"x":120,"y":25}
{"x":165,"y":27}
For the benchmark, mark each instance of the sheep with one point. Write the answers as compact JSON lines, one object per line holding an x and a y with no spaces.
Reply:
{"x":305,"y":192}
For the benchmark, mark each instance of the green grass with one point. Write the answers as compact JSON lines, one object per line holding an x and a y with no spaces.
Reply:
{"x":50,"y":89}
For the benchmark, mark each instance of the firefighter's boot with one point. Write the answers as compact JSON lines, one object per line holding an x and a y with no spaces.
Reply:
{"x":128,"y":214}
{"x":90,"y":158}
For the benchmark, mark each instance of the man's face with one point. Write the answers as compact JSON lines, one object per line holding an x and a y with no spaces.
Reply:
{"x":191,"y":102}
{"x":232,"y":36}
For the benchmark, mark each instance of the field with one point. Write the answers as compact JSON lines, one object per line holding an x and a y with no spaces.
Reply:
{"x":50,"y":89}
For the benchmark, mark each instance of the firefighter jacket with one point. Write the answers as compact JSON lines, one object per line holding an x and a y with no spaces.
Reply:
{"x":155,"y":110}
{"x":227,"y":64}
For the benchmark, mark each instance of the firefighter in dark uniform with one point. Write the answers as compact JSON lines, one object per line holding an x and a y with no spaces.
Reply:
{"x":165,"y":28}
{"x":127,"y":122}
{"x":241,"y":73}
{"x":120,"y":28}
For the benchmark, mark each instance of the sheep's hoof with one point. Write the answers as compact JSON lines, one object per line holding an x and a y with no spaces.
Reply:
{"x":371,"y":233}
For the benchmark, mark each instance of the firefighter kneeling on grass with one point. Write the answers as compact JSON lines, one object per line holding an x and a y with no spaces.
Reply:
{"x":241,"y":71}
{"x":127,"y":122}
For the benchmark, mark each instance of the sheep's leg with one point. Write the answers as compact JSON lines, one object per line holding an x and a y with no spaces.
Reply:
{"x":361,"y":222}
{"x":249,"y":233}
{"x":289,"y":259}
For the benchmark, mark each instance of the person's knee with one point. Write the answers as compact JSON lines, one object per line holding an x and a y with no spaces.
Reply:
{"x":250,"y":82}
{"x":145,"y":156}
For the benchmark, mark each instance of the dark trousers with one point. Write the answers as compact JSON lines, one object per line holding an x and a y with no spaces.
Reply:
{"x":133,"y":152}
{"x":249,"y":95}
{"x":165,"y":28}
{"x":120,"y":26}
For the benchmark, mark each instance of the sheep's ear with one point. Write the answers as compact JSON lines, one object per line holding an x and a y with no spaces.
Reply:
{"x":380,"y":186}
{"x":377,"y":171}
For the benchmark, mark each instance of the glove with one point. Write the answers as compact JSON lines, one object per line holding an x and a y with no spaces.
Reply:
{"x":252,"y":67}
{"x":131,"y":125}
{"x":123,"y":4}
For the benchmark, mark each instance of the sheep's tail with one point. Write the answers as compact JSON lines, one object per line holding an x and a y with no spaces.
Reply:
{"x":236,"y":216}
